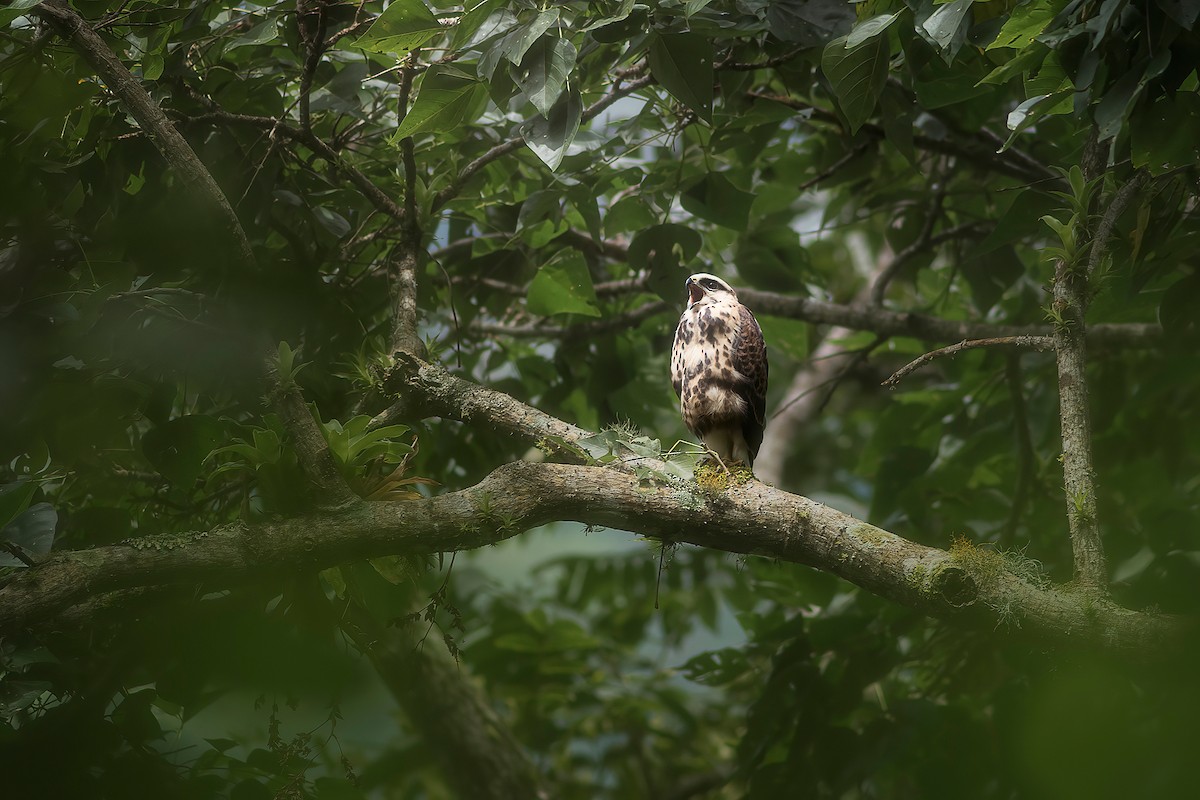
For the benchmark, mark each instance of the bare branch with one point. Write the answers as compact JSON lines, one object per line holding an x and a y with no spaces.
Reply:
{"x":833,"y":168}
{"x":1075,"y":416}
{"x":479,"y":755}
{"x":1036,"y":342}
{"x":170,"y":144}
{"x":929,"y":328}
{"x":428,"y":390}
{"x":971,"y":584}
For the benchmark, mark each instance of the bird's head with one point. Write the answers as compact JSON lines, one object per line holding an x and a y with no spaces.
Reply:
{"x":705,"y":288}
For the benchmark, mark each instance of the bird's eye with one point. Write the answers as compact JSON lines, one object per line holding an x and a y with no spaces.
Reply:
{"x":708,"y":283}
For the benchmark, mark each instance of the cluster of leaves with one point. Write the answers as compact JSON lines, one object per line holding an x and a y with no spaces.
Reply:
{"x":570,"y":164}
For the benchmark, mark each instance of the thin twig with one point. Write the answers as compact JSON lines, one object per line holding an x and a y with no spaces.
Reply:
{"x":755,"y":65}
{"x":918,"y":246}
{"x":1036,"y":342}
{"x":833,"y":168}
{"x":18,"y":552}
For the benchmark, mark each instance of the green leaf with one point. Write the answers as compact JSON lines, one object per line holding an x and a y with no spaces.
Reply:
{"x":869,"y":29}
{"x":1020,"y":64}
{"x":563,"y":286}
{"x":440,"y":110}
{"x":15,"y":9}
{"x":523,"y":38}
{"x":551,"y":135}
{"x":713,"y":197}
{"x":402,"y":27}
{"x":1163,"y":136}
{"x":473,"y":20}
{"x":1025,"y":23}
{"x":663,"y":250}
{"x":266,"y":31}
{"x":857,"y":76}
{"x":544,"y":71}
{"x":946,"y":28}
{"x":683,"y":64}
{"x":809,"y":23}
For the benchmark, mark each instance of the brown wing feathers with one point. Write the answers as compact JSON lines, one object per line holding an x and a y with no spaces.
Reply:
{"x":750,"y":359}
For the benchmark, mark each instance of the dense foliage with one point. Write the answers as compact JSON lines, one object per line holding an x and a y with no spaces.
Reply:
{"x":546,"y":175}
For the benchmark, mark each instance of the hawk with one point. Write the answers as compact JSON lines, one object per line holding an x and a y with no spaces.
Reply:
{"x":719,"y":371}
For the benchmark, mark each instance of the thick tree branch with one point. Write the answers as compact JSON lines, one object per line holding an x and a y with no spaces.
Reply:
{"x":929,"y":328}
{"x":479,"y":756}
{"x":170,"y":144}
{"x":1070,"y":300}
{"x":428,"y":390}
{"x":753,"y":519}
{"x":1078,"y":474}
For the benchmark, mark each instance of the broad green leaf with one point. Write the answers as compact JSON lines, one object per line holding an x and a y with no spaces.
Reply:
{"x":522,"y":38}
{"x":1114,"y":109}
{"x":549,"y":136}
{"x":563,"y":286}
{"x":15,"y":9}
{"x":809,"y":23}
{"x":1020,"y":64}
{"x":621,"y":12}
{"x":683,"y":64}
{"x":263,"y":32}
{"x":870,"y":28}
{"x":402,"y":27}
{"x":857,"y":76}
{"x":714,"y":198}
{"x":1025,"y":23}
{"x":664,"y":250}
{"x":439,"y":110}
{"x":1185,"y":12}
{"x":1163,"y":136}
{"x":946,"y":27}
{"x":544,"y":71}
{"x":472,"y":21}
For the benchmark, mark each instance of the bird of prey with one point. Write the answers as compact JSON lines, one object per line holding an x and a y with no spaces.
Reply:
{"x":719,"y":371}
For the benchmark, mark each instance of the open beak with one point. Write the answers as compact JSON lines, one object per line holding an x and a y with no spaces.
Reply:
{"x":694,"y":291}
